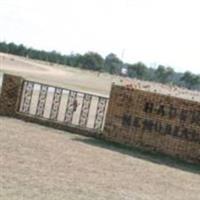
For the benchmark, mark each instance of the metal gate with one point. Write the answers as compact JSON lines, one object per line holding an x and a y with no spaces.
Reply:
{"x":63,"y":105}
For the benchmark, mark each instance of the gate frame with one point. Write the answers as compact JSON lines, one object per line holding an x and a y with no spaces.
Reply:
{"x":100,"y":100}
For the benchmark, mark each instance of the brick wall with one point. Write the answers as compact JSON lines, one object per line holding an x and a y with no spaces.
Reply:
{"x":10,"y":94}
{"x":154,"y":122}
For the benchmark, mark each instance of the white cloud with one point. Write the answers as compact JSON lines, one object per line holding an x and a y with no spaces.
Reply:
{"x":148,"y":30}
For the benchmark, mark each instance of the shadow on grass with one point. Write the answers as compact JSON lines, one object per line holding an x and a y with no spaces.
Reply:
{"x":142,"y":154}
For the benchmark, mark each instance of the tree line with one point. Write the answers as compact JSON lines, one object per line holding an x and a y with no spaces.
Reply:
{"x":110,"y":64}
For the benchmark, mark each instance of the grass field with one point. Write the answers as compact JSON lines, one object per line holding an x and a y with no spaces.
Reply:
{"x":42,"y":163}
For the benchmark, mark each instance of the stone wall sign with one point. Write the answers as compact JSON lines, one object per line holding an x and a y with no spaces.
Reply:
{"x":153,"y":121}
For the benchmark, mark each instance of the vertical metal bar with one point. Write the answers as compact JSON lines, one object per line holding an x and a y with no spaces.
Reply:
{"x":85,"y":110}
{"x":101,"y":106}
{"x":27,"y":96}
{"x":41,"y":101}
{"x":70,"y":109}
{"x":56,"y":103}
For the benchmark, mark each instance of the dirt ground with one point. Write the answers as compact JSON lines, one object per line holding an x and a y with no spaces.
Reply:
{"x":42,"y":163}
{"x":74,"y":78}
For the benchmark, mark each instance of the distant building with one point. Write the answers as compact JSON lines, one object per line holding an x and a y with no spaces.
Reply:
{"x":124,"y":71}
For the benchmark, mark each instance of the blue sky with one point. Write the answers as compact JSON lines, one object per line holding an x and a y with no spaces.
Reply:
{"x":152,"y":31}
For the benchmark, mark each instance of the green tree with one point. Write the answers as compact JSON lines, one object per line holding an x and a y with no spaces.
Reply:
{"x":163,"y":73}
{"x":4,"y":47}
{"x":138,"y":70}
{"x":74,"y":60}
{"x":13,"y":48}
{"x":190,"y":79}
{"x":21,"y":50}
{"x":91,"y":60}
{"x":112,"y":64}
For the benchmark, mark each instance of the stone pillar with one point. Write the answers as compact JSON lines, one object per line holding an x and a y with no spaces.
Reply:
{"x":10,"y":95}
